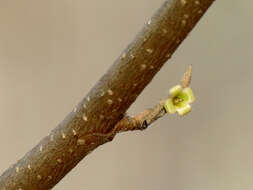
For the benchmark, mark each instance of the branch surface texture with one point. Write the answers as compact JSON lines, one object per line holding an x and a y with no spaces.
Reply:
{"x":98,"y":114}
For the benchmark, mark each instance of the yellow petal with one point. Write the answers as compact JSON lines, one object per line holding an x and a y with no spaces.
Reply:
{"x":175,"y":90}
{"x":169,"y":106}
{"x":190,"y":95}
{"x":184,"y":110}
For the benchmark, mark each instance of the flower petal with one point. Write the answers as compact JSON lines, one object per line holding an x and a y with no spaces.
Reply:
{"x":175,"y":90}
{"x":190,"y":95}
{"x":184,"y":110}
{"x":169,"y":106}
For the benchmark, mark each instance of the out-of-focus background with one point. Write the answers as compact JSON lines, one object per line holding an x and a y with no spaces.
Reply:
{"x":53,"y":52}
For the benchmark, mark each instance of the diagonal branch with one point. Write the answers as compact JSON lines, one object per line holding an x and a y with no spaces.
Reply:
{"x":56,"y":154}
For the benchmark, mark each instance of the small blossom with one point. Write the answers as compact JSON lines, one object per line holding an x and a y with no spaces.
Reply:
{"x":179,"y":100}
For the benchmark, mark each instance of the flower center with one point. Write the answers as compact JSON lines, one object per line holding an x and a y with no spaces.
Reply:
{"x":177,"y":100}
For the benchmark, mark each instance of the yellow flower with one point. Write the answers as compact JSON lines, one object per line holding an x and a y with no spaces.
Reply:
{"x":179,"y":100}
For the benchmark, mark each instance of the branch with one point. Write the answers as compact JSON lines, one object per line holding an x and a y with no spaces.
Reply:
{"x":105,"y":105}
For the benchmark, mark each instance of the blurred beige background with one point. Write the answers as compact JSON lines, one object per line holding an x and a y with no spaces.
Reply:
{"x":53,"y":51}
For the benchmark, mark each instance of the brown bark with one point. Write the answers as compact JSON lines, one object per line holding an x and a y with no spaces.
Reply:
{"x":75,"y":137}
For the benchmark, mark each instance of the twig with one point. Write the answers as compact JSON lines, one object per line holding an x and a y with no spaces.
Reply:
{"x":186,"y":80}
{"x":105,"y":105}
